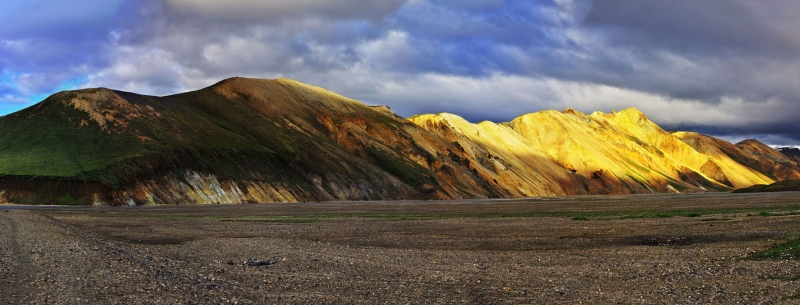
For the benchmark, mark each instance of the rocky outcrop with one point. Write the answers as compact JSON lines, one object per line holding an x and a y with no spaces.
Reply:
{"x":204,"y":188}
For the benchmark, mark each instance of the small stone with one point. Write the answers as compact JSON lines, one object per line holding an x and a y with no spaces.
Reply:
{"x":255,"y":263}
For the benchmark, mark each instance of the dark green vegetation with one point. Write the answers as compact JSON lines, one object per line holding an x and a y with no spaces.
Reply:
{"x":781,"y":186}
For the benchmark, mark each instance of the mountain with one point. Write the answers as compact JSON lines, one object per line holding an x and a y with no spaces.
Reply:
{"x":792,"y":153}
{"x":257,"y":140}
{"x":780,"y":186}
{"x":241,"y":140}
{"x":737,"y":165}
{"x":767,"y":160}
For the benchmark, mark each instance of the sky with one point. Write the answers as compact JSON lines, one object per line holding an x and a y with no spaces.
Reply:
{"x":728,"y":68}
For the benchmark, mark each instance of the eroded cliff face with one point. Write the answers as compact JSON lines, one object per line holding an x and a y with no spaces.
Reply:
{"x":254,"y":140}
{"x":204,"y":188}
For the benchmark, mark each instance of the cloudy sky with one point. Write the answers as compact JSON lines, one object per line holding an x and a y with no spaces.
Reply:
{"x":729,"y":68}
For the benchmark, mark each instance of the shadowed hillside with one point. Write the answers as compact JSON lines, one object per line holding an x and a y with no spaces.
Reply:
{"x":781,"y":186}
{"x":792,"y":153}
{"x":256,"y":140}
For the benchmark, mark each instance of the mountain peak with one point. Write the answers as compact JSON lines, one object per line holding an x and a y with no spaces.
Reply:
{"x":632,"y":110}
{"x":632,"y":113}
{"x":750,"y":142}
{"x":103,"y":106}
{"x":572,"y":111}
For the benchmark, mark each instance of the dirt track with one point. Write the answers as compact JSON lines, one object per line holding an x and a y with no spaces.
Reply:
{"x":631,"y":250}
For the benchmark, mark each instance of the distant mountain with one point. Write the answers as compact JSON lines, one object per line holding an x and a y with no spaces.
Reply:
{"x":767,"y":160}
{"x":791,"y":153}
{"x":256,"y":140}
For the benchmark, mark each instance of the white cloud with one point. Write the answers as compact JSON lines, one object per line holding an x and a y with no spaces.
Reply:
{"x":14,"y":99}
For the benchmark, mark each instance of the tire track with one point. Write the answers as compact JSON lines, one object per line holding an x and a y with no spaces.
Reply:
{"x":16,"y":269}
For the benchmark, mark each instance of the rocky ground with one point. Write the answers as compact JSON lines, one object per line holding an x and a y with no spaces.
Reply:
{"x":664,"y":249}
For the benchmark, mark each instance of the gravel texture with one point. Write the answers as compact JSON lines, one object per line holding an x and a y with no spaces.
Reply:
{"x":265,"y":254}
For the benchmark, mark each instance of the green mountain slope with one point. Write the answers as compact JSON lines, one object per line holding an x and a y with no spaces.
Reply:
{"x":280,"y":132}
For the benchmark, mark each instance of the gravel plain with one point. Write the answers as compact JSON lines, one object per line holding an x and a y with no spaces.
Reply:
{"x":642,"y":249}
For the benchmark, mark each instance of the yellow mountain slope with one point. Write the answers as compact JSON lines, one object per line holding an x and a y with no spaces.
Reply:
{"x":723,"y":166}
{"x":499,"y":155}
{"x":569,"y":152}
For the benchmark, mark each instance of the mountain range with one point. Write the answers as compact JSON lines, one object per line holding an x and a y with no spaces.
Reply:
{"x":256,"y":140}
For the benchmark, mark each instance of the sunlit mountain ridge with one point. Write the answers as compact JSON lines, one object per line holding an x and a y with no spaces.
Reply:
{"x":257,"y":140}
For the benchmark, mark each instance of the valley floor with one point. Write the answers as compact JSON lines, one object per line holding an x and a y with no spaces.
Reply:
{"x":641,"y":249}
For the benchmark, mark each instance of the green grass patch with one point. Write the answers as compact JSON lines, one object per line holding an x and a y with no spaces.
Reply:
{"x":786,"y":251}
{"x":668,"y":214}
{"x":159,"y":216}
{"x":773,"y":213}
{"x":403,"y":216}
{"x":69,"y":200}
{"x":275,"y":220}
{"x":411,"y":173}
{"x":580,"y":218}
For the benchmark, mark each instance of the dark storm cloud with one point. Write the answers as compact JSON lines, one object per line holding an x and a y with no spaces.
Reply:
{"x":706,"y":50}
{"x":776,"y":134}
{"x":710,"y":26}
{"x":698,"y":49}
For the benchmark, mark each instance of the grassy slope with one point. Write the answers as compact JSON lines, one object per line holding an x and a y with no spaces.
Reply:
{"x":48,"y":140}
{"x":232,"y":136}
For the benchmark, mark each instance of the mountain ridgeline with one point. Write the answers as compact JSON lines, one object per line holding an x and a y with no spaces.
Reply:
{"x":255,"y":140}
